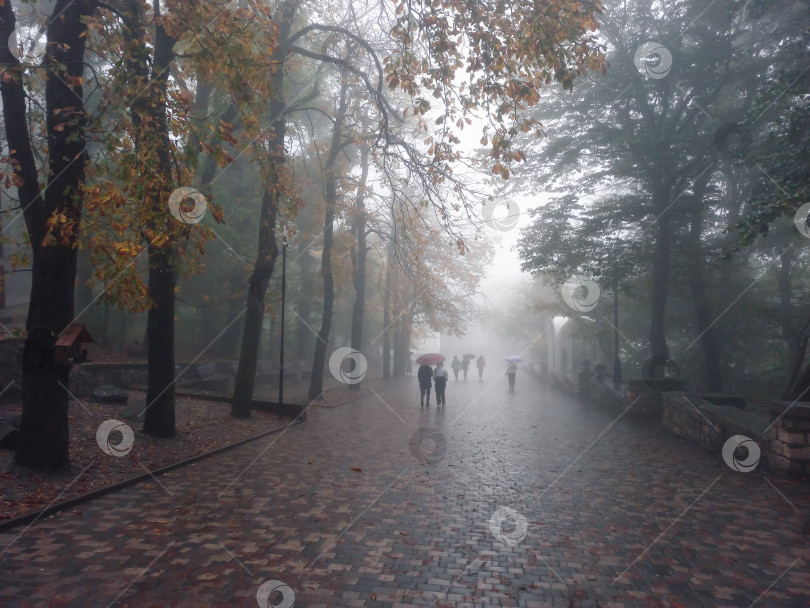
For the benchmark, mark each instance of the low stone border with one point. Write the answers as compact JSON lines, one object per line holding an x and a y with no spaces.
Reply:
{"x":784,"y":447}
{"x":790,"y":437}
{"x":61,"y":506}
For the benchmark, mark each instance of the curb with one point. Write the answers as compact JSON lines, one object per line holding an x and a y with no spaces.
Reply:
{"x":73,"y":502}
{"x":35,"y":516}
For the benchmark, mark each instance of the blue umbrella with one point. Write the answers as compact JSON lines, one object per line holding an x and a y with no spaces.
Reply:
{"x":514,"y":359}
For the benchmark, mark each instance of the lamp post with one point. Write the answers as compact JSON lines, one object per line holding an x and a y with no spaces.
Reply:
{"x":283,"y":296}
{"x":617,"y":364}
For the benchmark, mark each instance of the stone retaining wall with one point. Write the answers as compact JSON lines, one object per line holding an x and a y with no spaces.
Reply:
{"x":790,"y":438}
{"x":683,"y":414}
{"x":686,"y":415}
{"x":644,"y":401}
{"x":85,"y":378}
{"x":11,"y":352}
{"x":680,"y":416}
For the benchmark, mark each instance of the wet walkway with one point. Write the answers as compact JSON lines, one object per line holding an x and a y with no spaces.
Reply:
{"x":524,"y":499}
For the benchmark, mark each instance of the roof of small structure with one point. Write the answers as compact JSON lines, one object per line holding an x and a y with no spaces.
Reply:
{"x":73,"y":333}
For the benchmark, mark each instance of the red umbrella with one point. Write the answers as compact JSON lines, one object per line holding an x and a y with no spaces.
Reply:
{"x":429,"y":359}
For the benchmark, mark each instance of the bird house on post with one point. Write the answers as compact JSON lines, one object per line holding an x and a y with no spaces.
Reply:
{"x":69,"y":349}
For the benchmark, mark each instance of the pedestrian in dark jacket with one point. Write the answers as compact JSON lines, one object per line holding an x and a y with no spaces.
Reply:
{"x":465,"y":365}
{"x":425,"y":375}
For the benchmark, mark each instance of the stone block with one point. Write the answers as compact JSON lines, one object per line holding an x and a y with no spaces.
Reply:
{"x":801,"y":454}
{"x":776,"y":447}
{"x":110,"y":394}
{"x":799,"y":409}
{"x":792,"y":438}
{"x":792,"y":424}
{"x":780,"y":463}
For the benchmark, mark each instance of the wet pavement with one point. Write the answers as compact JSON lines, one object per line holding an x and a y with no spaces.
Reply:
{"x":528,"y":499}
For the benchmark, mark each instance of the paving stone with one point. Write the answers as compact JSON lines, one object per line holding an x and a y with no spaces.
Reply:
{"x":617,"y":514}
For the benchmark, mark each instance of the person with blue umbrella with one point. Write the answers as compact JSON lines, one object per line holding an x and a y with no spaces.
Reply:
{"x":511,"y":370}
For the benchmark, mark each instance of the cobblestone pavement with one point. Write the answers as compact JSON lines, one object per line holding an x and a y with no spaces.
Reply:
{"x":502,"y":499}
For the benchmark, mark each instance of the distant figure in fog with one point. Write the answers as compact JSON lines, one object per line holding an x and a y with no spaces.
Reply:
{"x":455,"y":366}
{"x":425,"y":375}
{"x":480,"y":363}
{"x":440,"y":377}
{"x":510,"y":372}
{"x":465,"y":365}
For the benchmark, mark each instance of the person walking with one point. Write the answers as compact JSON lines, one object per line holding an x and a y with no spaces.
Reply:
{"x":425,"y":375}
{"x":455,"y":366}
{"x":440,"y":377}
{"x":465,"y":365}
{"x":480,"y":363}
{"x":511,"y":370}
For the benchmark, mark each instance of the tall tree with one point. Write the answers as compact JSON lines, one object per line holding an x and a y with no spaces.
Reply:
{"x":638,"y":148}
{"x":52,"y":219}
{"x":359,"y":257}
{"x":331,"y":194}
{"x":152,"y":143}
{"x":273,"y":194}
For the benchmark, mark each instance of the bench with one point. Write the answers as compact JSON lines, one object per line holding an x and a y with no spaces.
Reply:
{"x":267,"y":371}
{"x":205,"y":375}
{"x":185,"y":375}
{"x":303,"y":369}
{"x":215,"y":374}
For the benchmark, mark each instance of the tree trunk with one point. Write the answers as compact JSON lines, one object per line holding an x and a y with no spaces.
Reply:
{"x":661,"y":267}
{"x":304,"y":305}
{"x":257,"y":288}
{"x":159,"y":419}
{"x":709,"y":340}
{"x":84,"y":271}
{"x":330,"y":187}
{"x":796,"y":338}
{"x":386,"y":357}
{"x":359,"y":308}
{"x":398,"y":365}
{"x":43,"y":439}
{"x":150,"y":112}
{"x":268,"y":248}
{"x":229,"y":342}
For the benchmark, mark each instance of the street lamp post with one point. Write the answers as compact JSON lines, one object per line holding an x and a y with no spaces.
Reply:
{"x":283,"y":296}
{"x":617,"y":364}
